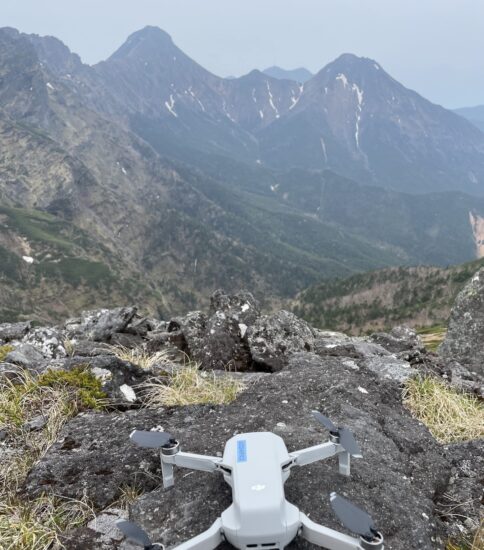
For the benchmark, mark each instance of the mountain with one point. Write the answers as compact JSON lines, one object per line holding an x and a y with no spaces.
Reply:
{"x":299,"y":75}
{"x":416,"y":296}
{"x":351,"y":117}
{"x":151,"y":225}
{"x":355,"y":119}
{"x":473,"y":114}
{"x":150,"y":167}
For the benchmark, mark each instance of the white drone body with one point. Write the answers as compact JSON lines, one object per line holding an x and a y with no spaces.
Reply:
{"x":256,"y":466}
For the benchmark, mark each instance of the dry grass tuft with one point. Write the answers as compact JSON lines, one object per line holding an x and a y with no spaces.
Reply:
{"x":140,"y":357}
{"x":37,"y":524}
{"x":449,"y":414}
{"x":477,"y":542}
{"x":190,"y":386}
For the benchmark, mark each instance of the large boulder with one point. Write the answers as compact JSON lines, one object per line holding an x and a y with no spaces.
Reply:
{"x":217,"y":341}
{"x":273,"y":338}
{"x":464,"y":340}
{"x":402,"y":471}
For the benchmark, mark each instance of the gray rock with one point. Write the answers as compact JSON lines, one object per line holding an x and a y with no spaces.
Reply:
{"x":100,"y":325}
{"x":140,"y":326}
{"x":28,"y":357}
{"x":49,"y":341}
{"x":126,"y":340}
{"x":100,"y":533}
{"x":87,"y":348}
{"x":193,"y":327}
{"x":242,"y":306}
{"x":14,"y":331}
{"x":464,"y":341}
{"x":401,"y":472}
{"x":95,"y":456}
{"x":389,"y":367}
{"x":272,"y":338}
{"x":36,"y":424}
{"x":461,"y":504}
{"x":400,"y":339}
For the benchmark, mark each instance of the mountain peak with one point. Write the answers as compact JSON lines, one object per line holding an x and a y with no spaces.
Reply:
{"x":147,"y":40}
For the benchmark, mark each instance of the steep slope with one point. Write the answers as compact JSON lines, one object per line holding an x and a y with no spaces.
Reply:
{"x":434,"y":228}
{"x":417,"y":296}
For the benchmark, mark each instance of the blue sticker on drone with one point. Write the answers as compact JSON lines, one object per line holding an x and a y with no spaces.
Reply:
{"x":242,"y":450}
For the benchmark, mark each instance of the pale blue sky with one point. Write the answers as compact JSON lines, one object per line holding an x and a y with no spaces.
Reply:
{"x":433,"y":46}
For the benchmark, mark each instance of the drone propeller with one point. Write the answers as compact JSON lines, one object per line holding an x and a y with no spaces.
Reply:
{"x":136,"y":535}
{"x":346,"y":438}
{"x":152,"y":440}
{"x":353,"y":518}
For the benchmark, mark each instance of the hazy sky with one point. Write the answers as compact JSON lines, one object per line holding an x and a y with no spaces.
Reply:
{"x":433,"y":46}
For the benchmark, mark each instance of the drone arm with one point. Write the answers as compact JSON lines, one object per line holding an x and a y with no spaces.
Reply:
{"x":313,"y":454}
{"x":208,"y":540}
{"x":186,"y":460}
{"x":325,"y":537}
{"x":321,"y":452}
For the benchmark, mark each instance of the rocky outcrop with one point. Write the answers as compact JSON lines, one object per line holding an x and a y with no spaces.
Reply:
{"x":402,"y":469}
{"x":406,"y":479}
{"x":465,"y":335}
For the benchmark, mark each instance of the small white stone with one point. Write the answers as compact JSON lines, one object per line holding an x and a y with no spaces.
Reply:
{"x":425,"y":516}
{"x":285,"y":401}
{"x":362,"y":390}
{"x":246,"y":307}
{"x":128,"y":393}
{"x":243,"y":329}
{"x":28,"y":259}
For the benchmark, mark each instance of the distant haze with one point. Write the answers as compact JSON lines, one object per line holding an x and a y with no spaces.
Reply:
{"x":432,"y":46}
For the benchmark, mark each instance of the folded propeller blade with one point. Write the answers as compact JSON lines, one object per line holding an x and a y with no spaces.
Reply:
{"x":353,"y":518}
{"x":134,"y":533}
{"x":348,"y":442}
{"x":152,"y":440}
{"x":325,"y":421}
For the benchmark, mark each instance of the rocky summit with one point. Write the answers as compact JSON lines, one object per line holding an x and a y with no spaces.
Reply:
{"x":420,"y":491}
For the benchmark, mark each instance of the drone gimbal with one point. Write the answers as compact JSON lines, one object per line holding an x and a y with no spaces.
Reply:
{"x":256,"y":466}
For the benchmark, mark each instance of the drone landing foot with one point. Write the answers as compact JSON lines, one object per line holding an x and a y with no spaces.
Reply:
{"x":325,"y":537}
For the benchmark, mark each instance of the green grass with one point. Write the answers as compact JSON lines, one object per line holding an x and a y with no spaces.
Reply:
{"x":38,"y":226}
{"x":77,"y":271}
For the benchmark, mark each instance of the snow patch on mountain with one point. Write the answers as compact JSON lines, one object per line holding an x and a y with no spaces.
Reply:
{"x":271,"y":100}
{"x":170,"y":106}
{"x":343,"y":79}
{"x":295,"y":99}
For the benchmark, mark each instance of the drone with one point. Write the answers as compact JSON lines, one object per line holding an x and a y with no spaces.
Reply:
{"x":256,"y":466}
